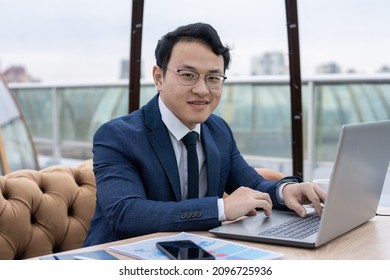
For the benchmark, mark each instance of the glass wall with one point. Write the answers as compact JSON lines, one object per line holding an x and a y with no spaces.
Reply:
{"x":258,"y":111}
{"x":17,"y":150}
{"x":38,"y":110}
{"x":259,"y":116}
{"x":342,"y":103}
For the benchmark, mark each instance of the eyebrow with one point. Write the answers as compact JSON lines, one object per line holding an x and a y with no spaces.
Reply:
{"x":189,"y":67}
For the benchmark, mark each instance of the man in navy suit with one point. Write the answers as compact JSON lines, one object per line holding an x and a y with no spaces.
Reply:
{"x":138,"y":158}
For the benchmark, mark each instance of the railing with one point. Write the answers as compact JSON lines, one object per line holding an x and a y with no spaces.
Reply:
{"x":64,"y":117}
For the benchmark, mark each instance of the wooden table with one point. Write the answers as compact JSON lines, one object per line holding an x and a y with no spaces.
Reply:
{"x":370,"y":241}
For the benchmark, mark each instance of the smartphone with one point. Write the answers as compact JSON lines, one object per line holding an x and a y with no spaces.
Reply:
{"x":183,"y":250}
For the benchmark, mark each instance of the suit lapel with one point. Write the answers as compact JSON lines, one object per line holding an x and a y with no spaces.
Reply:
{"x":212,"y":161}
{"x":161,"y":143}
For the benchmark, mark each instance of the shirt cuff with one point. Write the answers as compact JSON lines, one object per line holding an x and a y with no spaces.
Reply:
{"x":282,"y":183}
{"x":221,"y":210}
{"x":279,"y":193}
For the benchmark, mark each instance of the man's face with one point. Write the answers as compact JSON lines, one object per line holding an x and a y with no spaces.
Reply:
{"x":192,"y":104}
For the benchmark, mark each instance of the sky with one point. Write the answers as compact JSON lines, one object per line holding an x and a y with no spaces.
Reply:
{"x":85,"y":40}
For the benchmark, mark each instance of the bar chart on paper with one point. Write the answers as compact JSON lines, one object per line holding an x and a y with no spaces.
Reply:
{"x":220,"y":249}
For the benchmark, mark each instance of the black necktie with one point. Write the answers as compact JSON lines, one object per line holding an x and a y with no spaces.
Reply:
{"x":192,"y":164}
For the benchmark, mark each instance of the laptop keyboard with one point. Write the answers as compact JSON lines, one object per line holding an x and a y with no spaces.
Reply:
{"x":297,"y":229}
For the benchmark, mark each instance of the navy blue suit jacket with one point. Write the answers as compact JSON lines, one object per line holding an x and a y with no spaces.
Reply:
{"x":138,"y":186}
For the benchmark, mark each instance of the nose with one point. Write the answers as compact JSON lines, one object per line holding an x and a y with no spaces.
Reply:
{"x":200,"y":86}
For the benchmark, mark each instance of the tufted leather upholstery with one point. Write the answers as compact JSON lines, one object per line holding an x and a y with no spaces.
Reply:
{"x":46,"y":211}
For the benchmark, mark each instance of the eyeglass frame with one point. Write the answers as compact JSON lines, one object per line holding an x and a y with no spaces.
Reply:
{"x":195,"y":80}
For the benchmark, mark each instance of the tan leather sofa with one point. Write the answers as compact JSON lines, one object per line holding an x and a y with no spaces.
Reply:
{"x":48,"y":211}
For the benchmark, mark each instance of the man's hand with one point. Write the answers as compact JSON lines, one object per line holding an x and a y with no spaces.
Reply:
{"x":244,"y":201}
{"x":298,"y":194}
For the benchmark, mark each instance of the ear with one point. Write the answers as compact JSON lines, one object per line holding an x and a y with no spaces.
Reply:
{"x":158,"y":77}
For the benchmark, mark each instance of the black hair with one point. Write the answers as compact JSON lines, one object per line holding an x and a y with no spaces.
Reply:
{"x":201,"y":32}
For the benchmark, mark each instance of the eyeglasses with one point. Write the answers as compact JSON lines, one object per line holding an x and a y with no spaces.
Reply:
{"x":189,"y":78}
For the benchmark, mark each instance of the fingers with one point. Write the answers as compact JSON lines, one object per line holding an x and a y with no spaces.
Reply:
{"x":316,"y":195}
{"x":266,"y":206}
{"x":252,"y":212}
{"x":261,"y":200}
{"x":299,"y":194}
{"x":244,"y":201}
{"x":296,"y":206}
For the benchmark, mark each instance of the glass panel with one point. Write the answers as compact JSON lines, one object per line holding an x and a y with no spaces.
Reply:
{"x":83,"y":110}
{"x":37,"y":109}
{"x":258,"y":113}
{"x":259,"y":116}
{"x":147,"y":92}
{"x":19,"y":150}
{"x":9,"y":110}
{"x":339,"y":104}
{"x":272,"y":121}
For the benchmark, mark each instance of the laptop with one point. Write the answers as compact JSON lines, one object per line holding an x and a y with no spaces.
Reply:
{"x":353,"y":195}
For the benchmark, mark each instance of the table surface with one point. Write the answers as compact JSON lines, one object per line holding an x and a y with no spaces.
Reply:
{"x":370,"y":241}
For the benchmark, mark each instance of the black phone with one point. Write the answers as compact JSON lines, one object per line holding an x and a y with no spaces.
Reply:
{"x":183,"y":250}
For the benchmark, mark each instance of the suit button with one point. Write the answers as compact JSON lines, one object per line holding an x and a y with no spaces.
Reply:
{"x":183,"y":216}
{"x":198,"y":214}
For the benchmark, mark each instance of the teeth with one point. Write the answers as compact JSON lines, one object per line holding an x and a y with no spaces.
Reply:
{"x":198,"y":103}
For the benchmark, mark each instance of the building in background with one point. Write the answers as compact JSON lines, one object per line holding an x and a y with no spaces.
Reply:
{"x":125,"y":69}
{"x":270,"y":63}
{"x":18,"y":74}
{"x":328,"y":68}
{"x":384,"y":69}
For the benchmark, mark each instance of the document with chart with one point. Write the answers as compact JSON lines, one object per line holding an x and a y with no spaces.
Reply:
{"x":220,"y":249}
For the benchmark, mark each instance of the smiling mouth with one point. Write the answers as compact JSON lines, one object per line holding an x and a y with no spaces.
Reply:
{"x":198,"y":102}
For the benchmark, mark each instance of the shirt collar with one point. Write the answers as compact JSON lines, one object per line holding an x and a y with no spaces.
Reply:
{"x":174,"y":125}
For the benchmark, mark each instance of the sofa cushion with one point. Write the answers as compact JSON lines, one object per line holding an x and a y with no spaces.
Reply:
{"x":47,"y":211}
